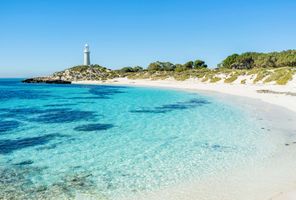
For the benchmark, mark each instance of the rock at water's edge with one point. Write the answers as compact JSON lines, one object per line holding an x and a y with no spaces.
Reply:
{"x":46,"y":80}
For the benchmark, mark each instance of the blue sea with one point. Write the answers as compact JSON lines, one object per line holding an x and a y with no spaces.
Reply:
{"x":58,"y":141}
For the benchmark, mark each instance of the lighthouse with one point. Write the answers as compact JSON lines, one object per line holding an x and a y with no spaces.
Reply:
{"x":86,"y":55}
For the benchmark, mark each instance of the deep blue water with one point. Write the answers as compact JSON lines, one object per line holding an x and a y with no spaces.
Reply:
{"x":108,"y":141}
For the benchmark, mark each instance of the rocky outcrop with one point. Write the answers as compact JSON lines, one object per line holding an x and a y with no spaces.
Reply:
{"x":83,"y":73}
{"x":48,"y":80}
{"x":77,"y":73}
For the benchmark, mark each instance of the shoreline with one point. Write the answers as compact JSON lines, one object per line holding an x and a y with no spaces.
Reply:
{"x":281,"y":190}
{"x":251,"y":91}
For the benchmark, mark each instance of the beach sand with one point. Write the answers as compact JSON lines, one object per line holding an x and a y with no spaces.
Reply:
{"x":274,"y":178}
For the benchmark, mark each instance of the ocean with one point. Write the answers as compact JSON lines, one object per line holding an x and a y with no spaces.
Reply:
{"x":60,"y":141}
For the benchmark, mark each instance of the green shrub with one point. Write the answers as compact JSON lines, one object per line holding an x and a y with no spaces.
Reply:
{"x":215,"y":79}
{"x":262,"y":74}
{"x":253,"y":71}
{"x":281,"y":76}
{"x":243,"y":81}
{"x":251,"y":60}
{"x":208,"y":76}
{"x":232,"y":78}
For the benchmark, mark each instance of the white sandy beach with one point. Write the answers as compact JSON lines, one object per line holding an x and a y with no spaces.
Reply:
{"x":280,"y":188}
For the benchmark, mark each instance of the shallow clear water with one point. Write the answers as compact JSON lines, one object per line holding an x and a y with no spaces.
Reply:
{"x":108,"y":141}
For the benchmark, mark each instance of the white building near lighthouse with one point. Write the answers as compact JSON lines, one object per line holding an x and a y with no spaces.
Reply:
{"x":86,"y":60}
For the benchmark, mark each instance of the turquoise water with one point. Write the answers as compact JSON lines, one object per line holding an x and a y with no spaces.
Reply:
{"x":109,"y":141}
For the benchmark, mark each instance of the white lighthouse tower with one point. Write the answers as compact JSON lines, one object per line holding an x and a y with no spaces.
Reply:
{"x":86,"y":55}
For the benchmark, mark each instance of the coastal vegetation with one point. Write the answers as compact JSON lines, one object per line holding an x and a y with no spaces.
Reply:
{"x":275,"y":67}
{"x":279,"y":76}
{"x":252,"y":60}
{"x":246,"y":68}
{"x":168,"y":66}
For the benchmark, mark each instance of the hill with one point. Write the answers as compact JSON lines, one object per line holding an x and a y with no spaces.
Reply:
{"x":250,"y":67}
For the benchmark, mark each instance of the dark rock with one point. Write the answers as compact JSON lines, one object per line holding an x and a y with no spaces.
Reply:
{"x":193,"y":103}
{"x":93,"y":127}
{"x":26,"y":162}
{"x":6,"y":126}
{"x":8,"y":146}
{"x":64,"y":116}
{"x":47,"y":80}
{"x":57,"y":82}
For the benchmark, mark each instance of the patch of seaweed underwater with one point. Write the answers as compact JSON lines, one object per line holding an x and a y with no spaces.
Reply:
{"x":15,"y":184}
{"x":193,"y":103}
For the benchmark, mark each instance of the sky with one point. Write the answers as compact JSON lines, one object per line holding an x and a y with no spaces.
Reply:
{"x":39,"y":37}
